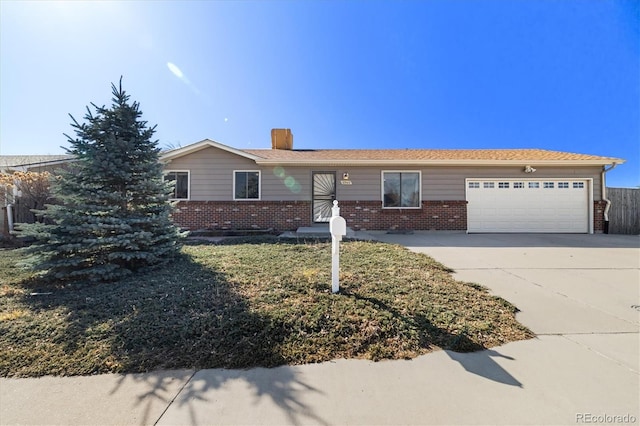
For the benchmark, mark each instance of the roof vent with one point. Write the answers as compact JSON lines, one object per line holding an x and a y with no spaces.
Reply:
{"x":281,"y":139}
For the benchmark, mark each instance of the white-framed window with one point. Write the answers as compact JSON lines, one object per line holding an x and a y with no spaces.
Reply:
{"x":488,"y":185}
{"x":503,"y":184}
{"x":246,"y":184}
{"x":578,"y":185}
{"x":548,"y":185}
{"x":534,"y":184}
{"x":563,"y":185}
{"x":518,"y":185}
{"x":401,"y":189}
{"x":473,"y":185}
{"x":182,"y":183}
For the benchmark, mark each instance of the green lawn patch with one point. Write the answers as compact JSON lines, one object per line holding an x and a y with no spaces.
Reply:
{"x":255,"y":302}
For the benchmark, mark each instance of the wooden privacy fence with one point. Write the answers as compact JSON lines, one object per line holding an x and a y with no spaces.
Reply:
{"x":3,"y":222}
{"x":22,"y":211}
{"x":624,"y":215}
{"x":21,"y":214}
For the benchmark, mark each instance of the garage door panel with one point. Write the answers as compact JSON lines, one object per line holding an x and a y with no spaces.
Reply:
{"x":540,"y":205}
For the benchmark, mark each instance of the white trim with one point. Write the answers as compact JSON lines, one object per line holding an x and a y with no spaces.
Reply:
{"x":259,"y":185}
{"x":188,"y":172}
{"x":206,"y":143}
{"x":382,"y":172}
{"x":589,"y":188}
{"x":603,"y":186}
{"x":590,"y":196}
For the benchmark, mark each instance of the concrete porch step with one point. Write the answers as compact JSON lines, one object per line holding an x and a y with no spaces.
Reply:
{"x":318,"y":231}
{"x":321,"y":230}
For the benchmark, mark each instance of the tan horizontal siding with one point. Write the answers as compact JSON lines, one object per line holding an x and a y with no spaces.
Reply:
{"x":447,"y":183}
{"x":365,"y":185}
{"x":211,"y":173}
{"x":212,"y":178}
{"x":286,"y":184}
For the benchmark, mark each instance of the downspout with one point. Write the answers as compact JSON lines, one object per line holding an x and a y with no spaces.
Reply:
{"x":10,"y":217}
{"x":604,"y":196}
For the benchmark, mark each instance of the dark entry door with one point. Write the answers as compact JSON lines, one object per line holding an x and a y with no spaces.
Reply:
{"x":324,"y":192}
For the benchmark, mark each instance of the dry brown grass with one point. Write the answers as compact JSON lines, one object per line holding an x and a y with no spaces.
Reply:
{"x":255,"y":302}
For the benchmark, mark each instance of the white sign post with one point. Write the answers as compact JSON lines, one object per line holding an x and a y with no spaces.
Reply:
{"x":337,"y":228}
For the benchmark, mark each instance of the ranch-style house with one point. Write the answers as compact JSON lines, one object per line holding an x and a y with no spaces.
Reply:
{"x":477,"y":190}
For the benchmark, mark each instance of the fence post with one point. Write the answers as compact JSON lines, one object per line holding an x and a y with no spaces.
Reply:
{"x":4,"y":222}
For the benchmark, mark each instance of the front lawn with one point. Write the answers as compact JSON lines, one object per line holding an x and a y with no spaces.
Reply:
{"x":244,"y":304}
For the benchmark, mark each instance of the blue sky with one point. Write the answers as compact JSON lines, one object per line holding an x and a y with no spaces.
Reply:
{"x":551,"y":74}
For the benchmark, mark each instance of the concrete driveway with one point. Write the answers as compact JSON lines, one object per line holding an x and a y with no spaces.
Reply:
{"x":570,"y":288}
{"x":579,"y":293}
{"x":563,"y":284}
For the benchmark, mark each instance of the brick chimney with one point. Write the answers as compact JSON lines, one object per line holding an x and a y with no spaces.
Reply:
{"x":281,"y":139}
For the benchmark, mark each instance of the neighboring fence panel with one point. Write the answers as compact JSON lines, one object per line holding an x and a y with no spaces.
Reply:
{"x":22,"y":211}
{"x":3,"y":222}
{"x":624,"y":215}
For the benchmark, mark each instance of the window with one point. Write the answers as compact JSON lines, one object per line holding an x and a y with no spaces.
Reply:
{"x":401,"y":189}
{"x":563,"y":184}
{"x":246,"y":185}
{"x":578,"y":185}
{"x":503,"y":184}
{"x":488,"y":185}
{"x":474,"y":184}
{"x":518,"y":184}
{"x":181,"y":184}
{"x":534,"y":184}
{"x":548,"y":185}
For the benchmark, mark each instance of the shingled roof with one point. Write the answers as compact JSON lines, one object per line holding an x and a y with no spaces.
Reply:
{"x":401,"y":156}
{"x":27,"y":162}
{"x":424,"y":155}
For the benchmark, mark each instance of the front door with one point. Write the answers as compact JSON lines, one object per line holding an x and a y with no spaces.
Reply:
{"x":324,"y":192}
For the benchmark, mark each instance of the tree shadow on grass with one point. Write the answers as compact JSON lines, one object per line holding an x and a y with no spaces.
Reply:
{"x":179,"y":316}
{"x":472,"y":356}
{"x":187,"y":315}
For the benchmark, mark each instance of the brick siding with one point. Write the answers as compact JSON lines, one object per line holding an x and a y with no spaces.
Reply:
{"x":280,"y":215}
{"x":598,"y":215}
{"x":288,"y":216}
{"x":434,"y":215}
{"x":360,"y":215}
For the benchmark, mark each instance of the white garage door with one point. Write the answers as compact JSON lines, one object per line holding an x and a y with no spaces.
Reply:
{"x":541,"y":205}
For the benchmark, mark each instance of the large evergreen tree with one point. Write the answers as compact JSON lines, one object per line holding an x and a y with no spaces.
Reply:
{"x":112,"y":215}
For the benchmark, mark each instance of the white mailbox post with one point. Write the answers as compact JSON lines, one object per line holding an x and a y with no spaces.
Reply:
{"x":338,"y":229}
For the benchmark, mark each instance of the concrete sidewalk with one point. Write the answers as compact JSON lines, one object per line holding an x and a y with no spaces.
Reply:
{"x":576,"y":292}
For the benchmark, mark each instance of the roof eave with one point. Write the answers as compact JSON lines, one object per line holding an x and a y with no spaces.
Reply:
{"x":27,"y":167}
{"x":306,"y":162}
{"x":203,"y":144}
